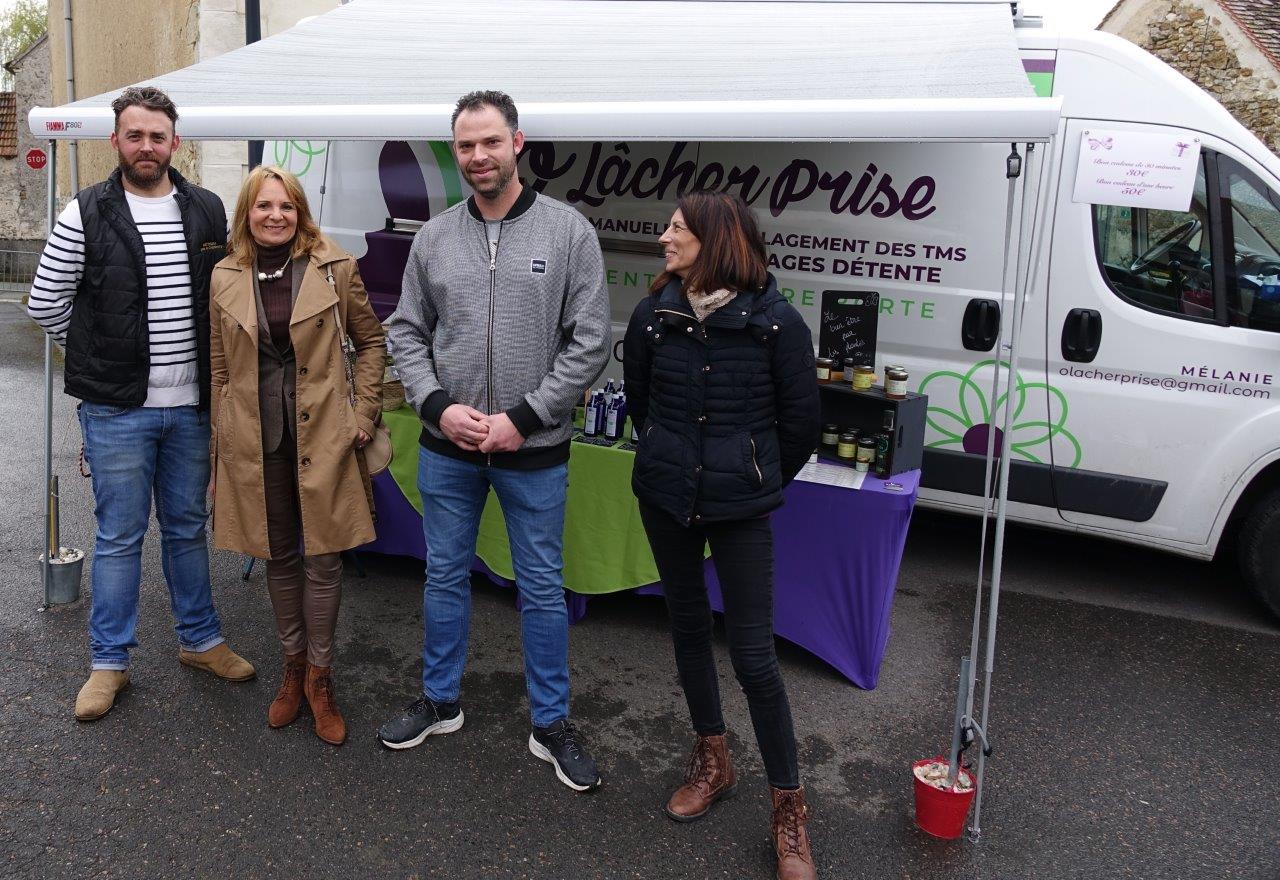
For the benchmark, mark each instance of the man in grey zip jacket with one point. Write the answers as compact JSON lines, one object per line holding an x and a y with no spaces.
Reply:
{"x":503,"y":322}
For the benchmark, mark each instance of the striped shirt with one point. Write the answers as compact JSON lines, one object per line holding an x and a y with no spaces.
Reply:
{"x":174,"y":379}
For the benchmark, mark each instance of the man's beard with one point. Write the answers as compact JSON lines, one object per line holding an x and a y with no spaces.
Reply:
{"x":503,"y":179}
{"x":144,"y":180}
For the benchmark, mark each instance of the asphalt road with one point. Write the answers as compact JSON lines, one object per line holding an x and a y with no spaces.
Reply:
{"x":1134,"y":717}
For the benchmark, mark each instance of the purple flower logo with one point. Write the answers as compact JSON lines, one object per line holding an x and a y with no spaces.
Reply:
{"x":960,"y":415}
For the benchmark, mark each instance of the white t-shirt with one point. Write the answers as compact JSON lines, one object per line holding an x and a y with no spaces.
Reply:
{"x":493,"y":228}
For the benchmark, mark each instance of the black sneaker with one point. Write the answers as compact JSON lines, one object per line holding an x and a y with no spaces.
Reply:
{"x":421,"y":720}
{"x":560,"y":746}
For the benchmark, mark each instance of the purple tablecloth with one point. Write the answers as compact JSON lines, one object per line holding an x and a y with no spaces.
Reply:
{"x":837,"y":553}
{"x":836,"y":556}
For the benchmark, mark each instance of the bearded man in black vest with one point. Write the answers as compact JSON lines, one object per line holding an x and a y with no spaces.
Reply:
{"x":123,"y":284}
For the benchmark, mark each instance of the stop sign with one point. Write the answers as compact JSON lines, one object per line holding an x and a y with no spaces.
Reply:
{"x":36,"y":159}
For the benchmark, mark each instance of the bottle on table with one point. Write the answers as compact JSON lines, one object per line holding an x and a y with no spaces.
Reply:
{"x":883,"y":465}
{"x":590,"y":417}
{"x":615,"y":418}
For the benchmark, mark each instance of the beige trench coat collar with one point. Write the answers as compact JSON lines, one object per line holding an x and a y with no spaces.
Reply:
{"x":315,"y":294}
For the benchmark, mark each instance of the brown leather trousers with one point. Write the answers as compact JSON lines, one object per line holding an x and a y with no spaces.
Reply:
{"x":305,"y":591}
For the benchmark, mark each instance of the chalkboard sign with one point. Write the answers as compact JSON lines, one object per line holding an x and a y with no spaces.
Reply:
{"x":849,"y":325}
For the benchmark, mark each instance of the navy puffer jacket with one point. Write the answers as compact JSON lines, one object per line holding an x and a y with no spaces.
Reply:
{"x":727,"y":410}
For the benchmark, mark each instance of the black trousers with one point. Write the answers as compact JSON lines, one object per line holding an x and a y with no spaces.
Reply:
{"x":743,"y":555}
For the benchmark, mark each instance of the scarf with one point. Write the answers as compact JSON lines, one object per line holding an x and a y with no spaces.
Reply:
{"x":705,"y":303}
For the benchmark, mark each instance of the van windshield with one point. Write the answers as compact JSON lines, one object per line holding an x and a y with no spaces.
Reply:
{"x":1253,"y":232}
{"x":1255,"y":221}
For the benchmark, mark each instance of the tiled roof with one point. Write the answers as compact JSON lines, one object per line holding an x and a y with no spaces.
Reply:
{"x":1260,"y":20}
{"x":8,"y":125}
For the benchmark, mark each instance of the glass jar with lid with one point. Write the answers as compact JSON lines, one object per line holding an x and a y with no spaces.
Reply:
{"x":863,"y":378}
{"x":848,"y":447}
{"x":895,"y":382}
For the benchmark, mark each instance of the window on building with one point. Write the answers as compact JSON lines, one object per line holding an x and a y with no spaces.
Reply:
{"x":1159,"y":260}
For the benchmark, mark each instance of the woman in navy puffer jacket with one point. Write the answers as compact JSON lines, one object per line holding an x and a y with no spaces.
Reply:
{"x":721,"y":387}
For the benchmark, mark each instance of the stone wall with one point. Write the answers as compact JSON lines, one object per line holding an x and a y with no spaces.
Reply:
{"x":224,"y":163}
{"x":1198,"y":39}
{"x":280,"y":15}
{"x":117,"y":43}
{"x":21,"y":186}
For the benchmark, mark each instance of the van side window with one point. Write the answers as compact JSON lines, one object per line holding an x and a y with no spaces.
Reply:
{"x":1251,"y":226}
{"x":1159,"y":260}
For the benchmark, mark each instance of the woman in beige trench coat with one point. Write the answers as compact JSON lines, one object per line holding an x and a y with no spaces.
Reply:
{"x":290,"y":482}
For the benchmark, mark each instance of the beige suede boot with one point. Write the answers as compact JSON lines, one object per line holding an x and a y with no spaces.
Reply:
{"x":221,"y":661}
{"x":98,"y":694}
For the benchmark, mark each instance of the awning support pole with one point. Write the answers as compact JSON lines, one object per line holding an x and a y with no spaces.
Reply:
{"x":1026,"y":239}
{"x":46,"y":572}
{"x":958,"y":726}
{"x":1013,"y":172}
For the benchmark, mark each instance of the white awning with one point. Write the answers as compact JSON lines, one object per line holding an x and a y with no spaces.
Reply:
{"x":614,"y":69}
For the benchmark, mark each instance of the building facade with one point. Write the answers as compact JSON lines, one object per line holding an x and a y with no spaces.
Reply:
{"x":1230,"y":48}
{"x":119,"y":42}
{"x":25,"y":188}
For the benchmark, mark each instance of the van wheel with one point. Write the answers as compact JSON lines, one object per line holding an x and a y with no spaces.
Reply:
{"x":1259,"y":550}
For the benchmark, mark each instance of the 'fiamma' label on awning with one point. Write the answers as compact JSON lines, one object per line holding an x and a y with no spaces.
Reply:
{"x":60,"y":125}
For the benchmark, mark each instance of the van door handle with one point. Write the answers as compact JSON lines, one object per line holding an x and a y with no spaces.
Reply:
{"x":981,"y":326}
{"x":1081,"y":335}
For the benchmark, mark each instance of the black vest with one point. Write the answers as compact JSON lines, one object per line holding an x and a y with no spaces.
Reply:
{"x":108,"y":356}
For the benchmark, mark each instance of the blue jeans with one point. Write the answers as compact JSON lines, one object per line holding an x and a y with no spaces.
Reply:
{"x":453,"y":497}
{"x":135,"y":453}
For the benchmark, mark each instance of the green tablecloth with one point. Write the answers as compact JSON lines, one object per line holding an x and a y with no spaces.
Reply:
{"x":605,"y":548}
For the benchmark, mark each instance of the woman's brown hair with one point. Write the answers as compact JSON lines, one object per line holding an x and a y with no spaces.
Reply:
{"x":241,"y":242}
{"x":732,"y":256}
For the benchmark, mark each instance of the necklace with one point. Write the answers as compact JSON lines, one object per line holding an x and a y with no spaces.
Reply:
{"x":273,"y":276}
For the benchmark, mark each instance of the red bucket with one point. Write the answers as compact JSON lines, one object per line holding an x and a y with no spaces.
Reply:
{"x":940,"y":812}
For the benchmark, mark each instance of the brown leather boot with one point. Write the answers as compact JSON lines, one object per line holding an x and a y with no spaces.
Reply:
{"x":708,"y":777}
{"x":319,"y":691}
{"x":285,"y":707}
{"x":790,"y":839}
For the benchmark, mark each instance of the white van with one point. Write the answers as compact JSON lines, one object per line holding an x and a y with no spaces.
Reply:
{"x":1149,"y":400}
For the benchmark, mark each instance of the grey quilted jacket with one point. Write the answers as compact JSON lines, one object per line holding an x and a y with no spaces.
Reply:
{"x":524,"y":333}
